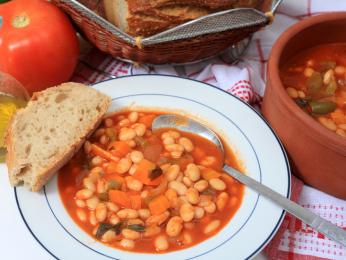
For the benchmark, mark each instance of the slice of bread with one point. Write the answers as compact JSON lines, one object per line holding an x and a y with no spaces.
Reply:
{"x":148,"y":17}
{"x":46,"y":134}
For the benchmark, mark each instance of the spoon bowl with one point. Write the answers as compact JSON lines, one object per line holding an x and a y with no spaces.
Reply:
{"x":189,"y":125}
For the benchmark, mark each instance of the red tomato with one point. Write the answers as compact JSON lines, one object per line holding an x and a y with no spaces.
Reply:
{"x":38,"y":45}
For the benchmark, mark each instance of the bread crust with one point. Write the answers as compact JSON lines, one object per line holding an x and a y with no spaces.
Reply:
{"x":158,"y":20}
{"x":10,"y":152}
{"x":138,"y":6}
{"x":46,"y":174}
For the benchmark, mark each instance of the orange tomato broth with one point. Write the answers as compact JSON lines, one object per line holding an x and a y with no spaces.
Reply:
{"x":71,"y":175}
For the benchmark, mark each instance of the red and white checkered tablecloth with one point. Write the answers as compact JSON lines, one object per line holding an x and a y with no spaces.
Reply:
{"x":246,"y":80}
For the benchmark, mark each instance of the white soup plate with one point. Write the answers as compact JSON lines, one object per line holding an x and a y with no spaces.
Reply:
{"x":242,"y":128}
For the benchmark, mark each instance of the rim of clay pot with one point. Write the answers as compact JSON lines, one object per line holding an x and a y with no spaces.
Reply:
{"x":317,"y":131}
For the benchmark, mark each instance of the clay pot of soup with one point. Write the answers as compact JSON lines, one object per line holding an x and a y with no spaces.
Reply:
{"x":305,"y":99}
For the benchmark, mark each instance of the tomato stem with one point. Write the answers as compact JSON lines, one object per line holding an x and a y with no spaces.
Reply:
{"x":20,"y":21}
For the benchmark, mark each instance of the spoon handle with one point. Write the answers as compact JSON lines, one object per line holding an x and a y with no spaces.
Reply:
{"x":321,"y":225}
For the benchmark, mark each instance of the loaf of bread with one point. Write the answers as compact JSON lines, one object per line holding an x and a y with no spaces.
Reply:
{"x":43,"y":136}
{"x":148,"y":17}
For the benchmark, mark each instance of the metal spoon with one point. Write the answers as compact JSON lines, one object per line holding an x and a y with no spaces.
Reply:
{"x":321,"y":225}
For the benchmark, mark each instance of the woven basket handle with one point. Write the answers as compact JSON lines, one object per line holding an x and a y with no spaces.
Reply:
{"x":213,"y":23}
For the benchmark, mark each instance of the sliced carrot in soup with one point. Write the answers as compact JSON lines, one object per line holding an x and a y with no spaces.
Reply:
{"x":120,"y":198}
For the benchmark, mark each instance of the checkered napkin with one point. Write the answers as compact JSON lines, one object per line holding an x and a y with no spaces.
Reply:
{"x":245,"y":79}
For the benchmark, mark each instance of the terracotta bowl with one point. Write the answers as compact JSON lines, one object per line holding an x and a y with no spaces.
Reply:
{"x":318,"y":155}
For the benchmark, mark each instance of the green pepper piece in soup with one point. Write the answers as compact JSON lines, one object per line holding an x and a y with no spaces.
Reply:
{"x":322,"y":108}
{"x":113,"y":185}
{"x":314,"y":83}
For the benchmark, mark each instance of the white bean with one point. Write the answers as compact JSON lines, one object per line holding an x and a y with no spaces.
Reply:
{"x":174,"y":148}
{"x":328,"y":123}
{"x":328,"y":76}
{"x":179,"y":187}
{"x":187,"y":238}
{"x":81,"y":214}
{"x":127,"y":134}
{"x":133,"y":117}
{"x":168,"y":140}
{"x":124,"y":122}
{"x":174,"y":226}
{"x":158,"y":219}
{"x":151,"y":231}
{"x":144,"y":213}
{"x":201,"y":185}
{"x":292,"y":92}
{"x":108,"y":236}
{"x":92,"y":218}
{"x":92,"y":202}
{"x":112,"y":207}
{"x":130,"y":234}
{"x":187,"y":181}
{"x":101,"y":212}
{"x":192,"y":171}
{"x":80,"y":203}
{"x":172,"y":172}
{"x":101,"y":186}
{"x":127,"y":213}
{"x":89,"y":184}
{"x":84,"y":194}
{"x":133,"y":169}
{"x":308,"y":72}
{"x":217,"y":184}
{"x":212,"y":226}
{"x":114,"y":219}
{"x":192,"y":195}
{"x":187,"y":212}
{"x":210,"y":208}
{"x":133,"y":184}
{"x":176,"y":154}
{"x":135,"y":221}
{"x":123,"y":165}
{"x":96,"y":161}
{"x":139,"y":129}
{"x":186,"y":143}
{"x":199,"y":212}
{"x":136,"y":156}
{"x":127,"y":243}
{"x":161,"y":243}
{"x":221,"y":200}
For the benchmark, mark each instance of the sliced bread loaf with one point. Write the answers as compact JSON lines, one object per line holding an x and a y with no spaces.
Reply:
{"x":148,"y":17}
{"x":43,"y":136}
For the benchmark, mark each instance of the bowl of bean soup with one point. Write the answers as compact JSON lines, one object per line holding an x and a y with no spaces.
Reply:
{"x":305,"y":99}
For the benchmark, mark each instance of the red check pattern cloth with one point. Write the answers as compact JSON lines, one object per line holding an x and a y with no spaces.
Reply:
{"x":246,"y":80}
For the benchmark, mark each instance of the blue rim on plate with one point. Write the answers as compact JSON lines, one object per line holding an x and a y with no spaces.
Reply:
{"x":258,"y":114}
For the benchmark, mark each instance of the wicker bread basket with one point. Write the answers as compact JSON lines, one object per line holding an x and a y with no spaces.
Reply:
{"x":165,"y":48}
